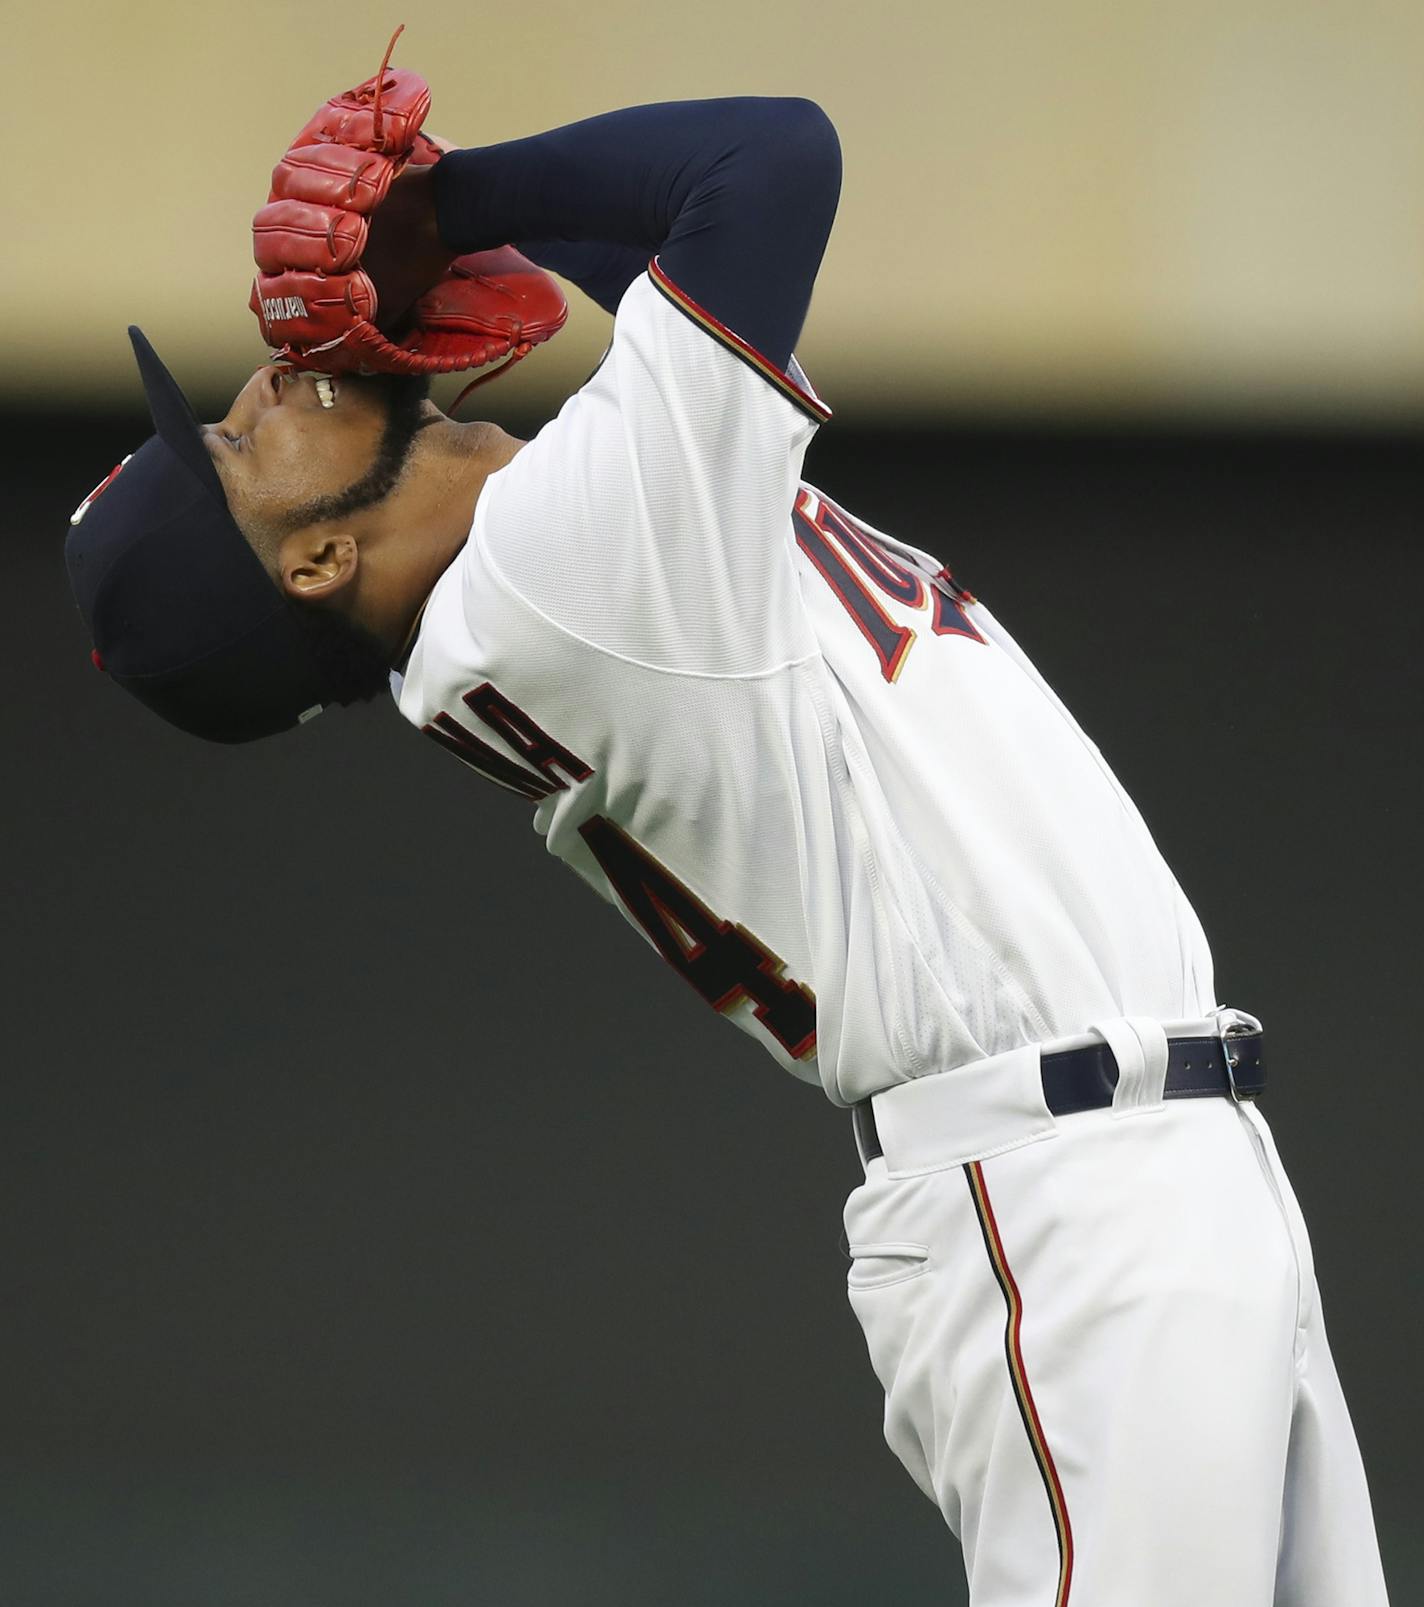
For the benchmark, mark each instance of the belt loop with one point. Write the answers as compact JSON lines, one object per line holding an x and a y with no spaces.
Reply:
{"x":1139,"y":1045}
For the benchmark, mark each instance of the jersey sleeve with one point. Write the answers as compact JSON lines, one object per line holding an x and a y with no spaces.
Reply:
{"x":652,"y":517}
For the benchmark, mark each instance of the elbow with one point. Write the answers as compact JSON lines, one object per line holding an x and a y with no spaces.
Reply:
{"x":802,"y":153}
{"x":807,"y":138}
{"x":808,"y":123}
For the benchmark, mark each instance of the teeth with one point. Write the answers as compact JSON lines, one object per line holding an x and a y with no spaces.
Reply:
{"x":325,"y":390}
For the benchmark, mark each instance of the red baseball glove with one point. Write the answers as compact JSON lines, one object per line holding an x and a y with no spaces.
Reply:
{"x":317,"y":306}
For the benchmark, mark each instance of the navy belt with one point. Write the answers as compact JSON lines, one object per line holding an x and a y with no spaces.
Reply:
{"x":1084,"y":1079}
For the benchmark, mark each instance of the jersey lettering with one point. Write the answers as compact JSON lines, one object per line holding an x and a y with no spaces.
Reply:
{"x":533,"y":744}
{"x":950,"y":599}
{"x":829,"y":536}
{"x":527,"y":739}
{"x":814,"y":536}
{"x":484,"y":760}
{"x":904,"y":585}
{"x":722,"y":961}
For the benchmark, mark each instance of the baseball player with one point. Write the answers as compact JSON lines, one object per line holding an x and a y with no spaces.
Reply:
{"x":812,"y":770}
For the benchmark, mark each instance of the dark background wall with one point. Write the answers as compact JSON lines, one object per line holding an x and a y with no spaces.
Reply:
{"x":383,"y":1226}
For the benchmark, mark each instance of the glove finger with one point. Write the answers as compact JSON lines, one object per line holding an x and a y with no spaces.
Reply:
{"x":349,"y":119}
{"x":309,"y":310}
{"x":303,"y":236}
{"x":334,"y":176}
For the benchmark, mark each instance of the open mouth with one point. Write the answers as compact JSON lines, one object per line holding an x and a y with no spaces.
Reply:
{"x":323,"y":384}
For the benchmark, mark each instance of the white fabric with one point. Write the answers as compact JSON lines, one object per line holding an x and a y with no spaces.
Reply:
{"x":1174,"y":1352}
{"x":984,"y":1108}
{"x":944,"y":859}
{"x":927,"y":840}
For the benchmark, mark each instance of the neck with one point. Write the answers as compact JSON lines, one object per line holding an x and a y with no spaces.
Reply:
{"x":424,"y":523}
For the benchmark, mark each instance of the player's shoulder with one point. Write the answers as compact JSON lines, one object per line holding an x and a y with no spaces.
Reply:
{"x":662,"y":333}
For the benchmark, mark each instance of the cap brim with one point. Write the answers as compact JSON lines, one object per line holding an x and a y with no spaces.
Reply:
{"x":173,"y":417}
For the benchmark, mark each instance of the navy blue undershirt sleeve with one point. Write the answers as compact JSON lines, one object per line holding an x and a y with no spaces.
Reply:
{"x":602,"y":270}
{"x":735,"y":197}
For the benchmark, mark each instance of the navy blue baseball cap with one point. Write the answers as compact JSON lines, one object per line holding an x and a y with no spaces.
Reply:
{"x":180,"y":610}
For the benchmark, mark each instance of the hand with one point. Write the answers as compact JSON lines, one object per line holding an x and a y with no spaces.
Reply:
{"x":404,"y":255}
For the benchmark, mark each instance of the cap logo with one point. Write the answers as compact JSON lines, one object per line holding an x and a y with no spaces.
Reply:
{"x":98,"y":490}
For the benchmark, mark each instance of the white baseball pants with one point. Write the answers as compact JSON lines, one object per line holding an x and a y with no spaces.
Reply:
{"x":1102,"y":1349}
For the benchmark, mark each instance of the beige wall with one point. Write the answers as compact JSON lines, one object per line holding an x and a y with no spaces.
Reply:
{"x":1094,"y":204}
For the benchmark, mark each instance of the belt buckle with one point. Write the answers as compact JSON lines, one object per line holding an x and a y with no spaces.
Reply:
{"x":1228,"y":1030}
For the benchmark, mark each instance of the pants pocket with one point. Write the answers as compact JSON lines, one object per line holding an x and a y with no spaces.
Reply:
{"x":876,"y":1266}
{"x":887,"y":1285}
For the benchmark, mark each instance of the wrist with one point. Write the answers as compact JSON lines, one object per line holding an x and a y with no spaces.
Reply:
{"x":448,"y":212}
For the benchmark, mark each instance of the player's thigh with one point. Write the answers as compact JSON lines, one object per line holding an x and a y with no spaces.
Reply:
{"x":1329,"y":1552}
{"x":1329,"y":1549}
{"x":1159,"y":1288}
{"x":1091,"y":1366}
{"x":903,"y":1238}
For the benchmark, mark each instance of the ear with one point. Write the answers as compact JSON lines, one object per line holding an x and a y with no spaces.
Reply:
{"x":315,"y":566}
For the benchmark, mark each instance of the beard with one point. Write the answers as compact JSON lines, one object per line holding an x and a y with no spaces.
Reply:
{"x":357,"y":665}
{"x":401,"y":398}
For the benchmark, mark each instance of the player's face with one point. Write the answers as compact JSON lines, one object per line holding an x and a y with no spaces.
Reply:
{"x":279,"y":450}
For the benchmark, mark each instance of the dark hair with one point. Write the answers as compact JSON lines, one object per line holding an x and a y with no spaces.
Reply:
{"x":356,"y":666}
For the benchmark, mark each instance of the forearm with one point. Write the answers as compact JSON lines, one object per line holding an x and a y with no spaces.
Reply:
{"x":736,"y":198}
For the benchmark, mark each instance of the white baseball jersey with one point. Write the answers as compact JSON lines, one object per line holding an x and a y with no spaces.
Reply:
{"x":824,"y":783}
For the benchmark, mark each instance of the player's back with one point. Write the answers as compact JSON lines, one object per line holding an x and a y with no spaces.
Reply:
{"x":827,"y":789}
{"x":1027,"y":894}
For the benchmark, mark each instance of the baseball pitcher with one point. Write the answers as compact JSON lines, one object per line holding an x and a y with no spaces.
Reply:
{"x":813,"y":771}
